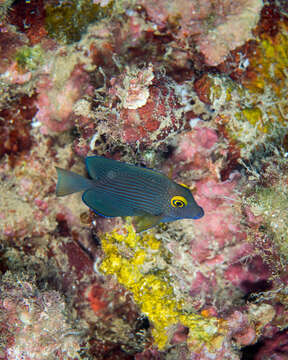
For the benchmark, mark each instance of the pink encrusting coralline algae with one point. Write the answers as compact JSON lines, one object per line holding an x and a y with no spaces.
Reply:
{"x":219,"y":241}
{"x":55,"y":99}
{"x":216,"y":27}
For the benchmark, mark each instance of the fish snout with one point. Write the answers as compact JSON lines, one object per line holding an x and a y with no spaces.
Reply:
{"x":200,"y":213}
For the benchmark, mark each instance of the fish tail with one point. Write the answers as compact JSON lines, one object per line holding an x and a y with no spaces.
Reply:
{"x":70,"y":182}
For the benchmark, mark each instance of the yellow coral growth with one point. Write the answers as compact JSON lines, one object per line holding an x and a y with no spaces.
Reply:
{"x":255,"y":117}
{"x":268,"y":70}
{"x":270,"y":63}
{"x":133,"y":259}
{"x":257,"y":109}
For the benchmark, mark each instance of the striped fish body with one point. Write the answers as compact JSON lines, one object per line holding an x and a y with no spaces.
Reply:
{"x":128,"y":190}
{"x":120,"y":189}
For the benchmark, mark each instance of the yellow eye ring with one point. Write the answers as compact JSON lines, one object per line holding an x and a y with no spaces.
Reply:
{"x":178,"y":201}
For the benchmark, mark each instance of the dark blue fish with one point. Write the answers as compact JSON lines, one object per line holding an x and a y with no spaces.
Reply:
{"x":120,"y":189}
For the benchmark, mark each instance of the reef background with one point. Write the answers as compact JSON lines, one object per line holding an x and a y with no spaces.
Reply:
{"x":195,"y":89}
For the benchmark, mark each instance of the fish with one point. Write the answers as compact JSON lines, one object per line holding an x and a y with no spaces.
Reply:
{"x":115,"y":188}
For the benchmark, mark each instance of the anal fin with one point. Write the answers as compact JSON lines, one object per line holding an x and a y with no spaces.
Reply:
{"x":145,"y":222}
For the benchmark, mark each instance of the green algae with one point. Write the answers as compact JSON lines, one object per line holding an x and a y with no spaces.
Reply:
{"x":4,"y":8}
{"x":30,"y":58}
{"x":68,"y":20}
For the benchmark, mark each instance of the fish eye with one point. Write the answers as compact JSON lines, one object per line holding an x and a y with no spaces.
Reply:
{"x":178,"y":201}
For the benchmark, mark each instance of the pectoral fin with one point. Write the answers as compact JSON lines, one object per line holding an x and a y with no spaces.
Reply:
{"x":145,"y":222}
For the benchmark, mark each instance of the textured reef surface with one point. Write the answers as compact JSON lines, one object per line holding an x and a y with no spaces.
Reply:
{"x":194,"y":89}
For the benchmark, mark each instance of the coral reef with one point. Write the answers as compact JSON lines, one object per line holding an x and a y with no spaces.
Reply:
{"x":16,"y":138}
{"x":149,"y":109}
{"x":68,"y":20}
{"x":216,"y":27}
{"x":266,"y":202}
{"x":34,"y":324}
{"x":55,"y":100}
{"x":196,"y":90}
{"x":151,"y":289}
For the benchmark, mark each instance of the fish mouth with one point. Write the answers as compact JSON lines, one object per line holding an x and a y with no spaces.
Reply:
{"x":200,"y":213}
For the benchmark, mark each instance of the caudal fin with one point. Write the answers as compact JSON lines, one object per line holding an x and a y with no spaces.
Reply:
{"x":70,"y":182}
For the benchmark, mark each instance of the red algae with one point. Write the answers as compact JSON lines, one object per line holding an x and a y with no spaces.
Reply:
{"x":149,"y":111}
{"x":28,"y":17}
{"x":15,"y":125}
